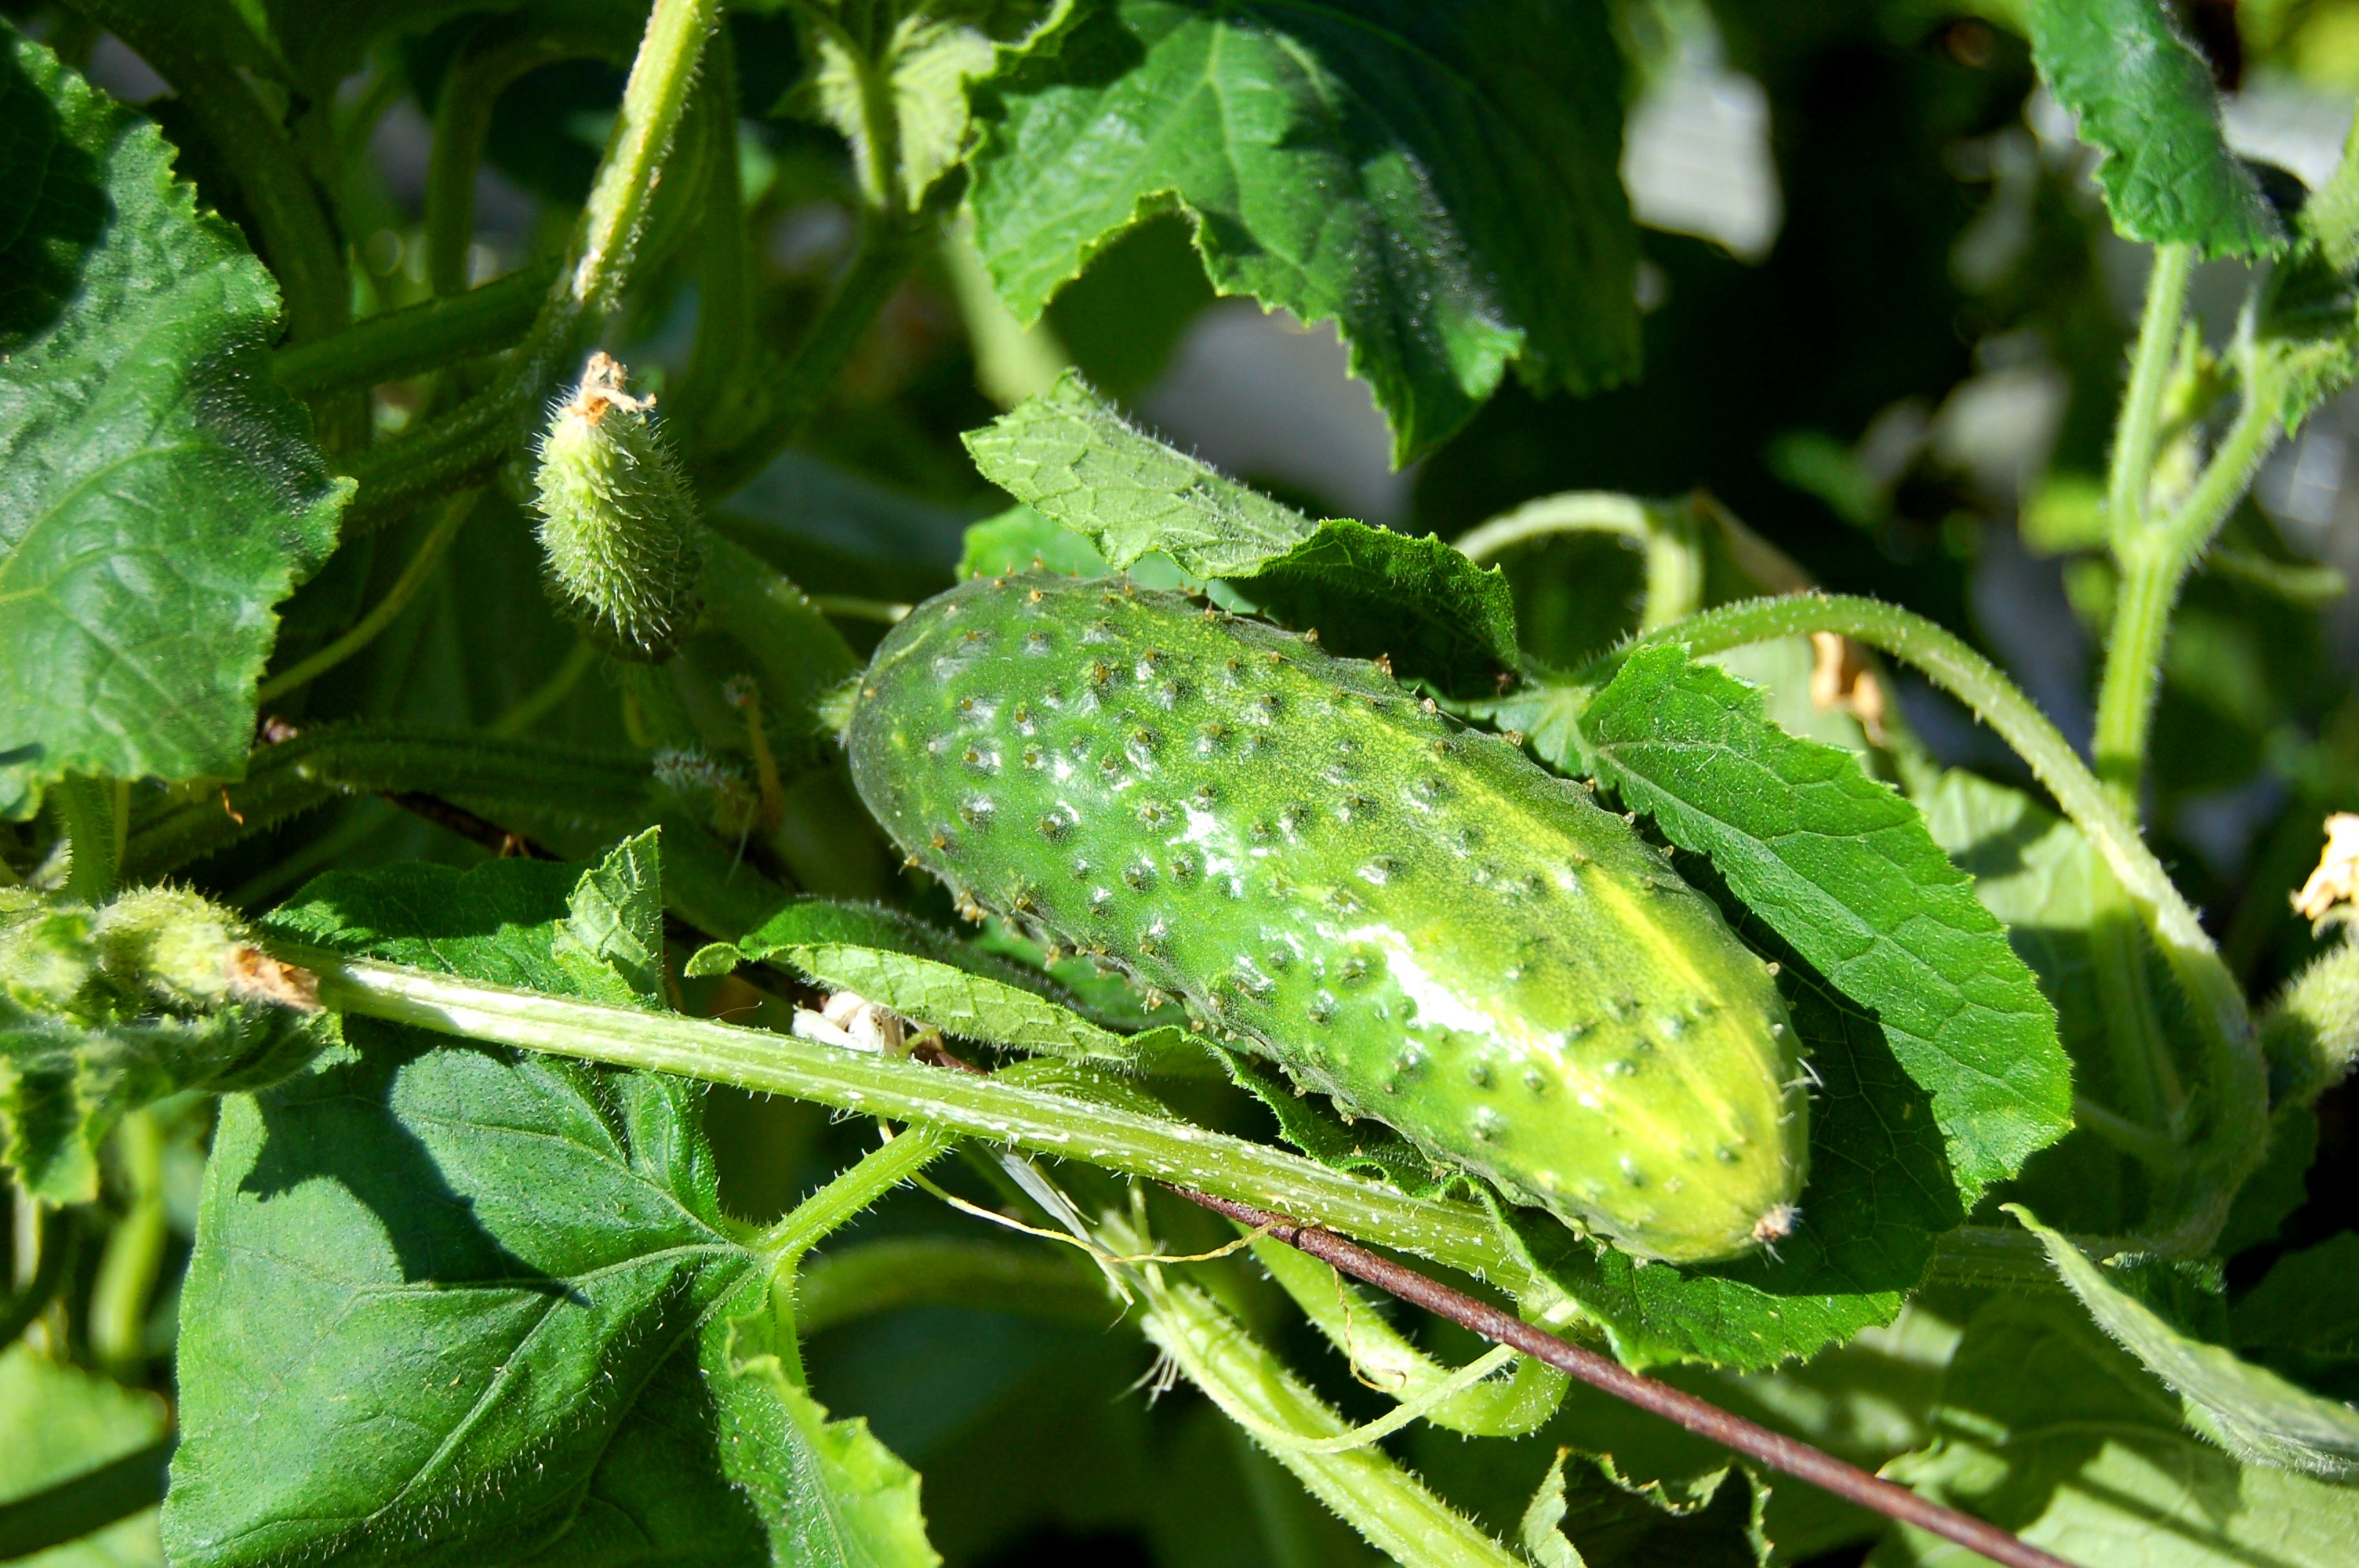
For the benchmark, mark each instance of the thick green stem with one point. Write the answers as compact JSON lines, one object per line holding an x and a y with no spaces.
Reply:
{"x":870,"y":1277}
{"x":1458,"y":1235}
{"x":485,"y":67}
{"x":396,"y":600}
{"x":128,"y":1269}
{"x":2151,"y":576}
{"x":854,"y":1190}
{"x":418,"y":337}
{"x":654,"y":100}
{"x":2233,"y":1142}
{"x":2155,"y":561}
{"x":1252,"y":1386}
{"x":1508,"y":1407}
{"x":1575,"y":512}
{"x":2135,"y":431}
{"x":457,"y":450}
{"x":606,"y":788}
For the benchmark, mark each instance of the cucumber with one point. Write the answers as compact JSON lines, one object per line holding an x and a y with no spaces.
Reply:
{"x":1405,"y":915}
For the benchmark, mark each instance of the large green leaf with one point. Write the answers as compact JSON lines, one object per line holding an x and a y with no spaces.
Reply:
{"x":2145,"y":101}
{"x":452,"y":1304}
{"x":2050,"y":1431}
{"x":2246,"y":1408}
{"x":928,"y":59}
{"x":1843,"y":868}
{"x":158,"y":494}
{"x":2308,"y":321}
{"x":1441,"y":180}
{"x":1077,"y":461}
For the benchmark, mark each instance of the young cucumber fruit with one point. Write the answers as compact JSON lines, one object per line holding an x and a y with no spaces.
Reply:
{"x":1405,"y":915}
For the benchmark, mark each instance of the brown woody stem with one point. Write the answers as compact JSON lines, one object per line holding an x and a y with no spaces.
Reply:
{"x":1773,"y":1449}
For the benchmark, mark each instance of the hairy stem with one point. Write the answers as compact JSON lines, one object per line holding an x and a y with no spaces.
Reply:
{"x":1575,"y":512}
{"x":607,"y":788}
{"x":418,"y":337}
{"x":1787,"y":1454}
{"x":2135,"y":432}
{"x":1380,"y":1357}
{"x":1389,"y":1506}
{"x":869,"y":1277}
{"x":654,"y":100}
{"x":852,"y":1191}
{"x":2155,"y":561}
{"x":1458,"y":1235}
{"x":128,"y":1269}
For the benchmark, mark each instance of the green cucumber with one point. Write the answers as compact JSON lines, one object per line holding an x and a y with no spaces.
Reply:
{"x":1405,"y":915}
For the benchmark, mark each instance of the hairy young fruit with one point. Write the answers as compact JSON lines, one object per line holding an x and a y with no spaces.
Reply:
{"x":618,"y":522}
{"x":1404,"y":914}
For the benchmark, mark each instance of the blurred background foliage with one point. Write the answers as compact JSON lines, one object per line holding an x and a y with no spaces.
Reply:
{"x":1885,"y":326}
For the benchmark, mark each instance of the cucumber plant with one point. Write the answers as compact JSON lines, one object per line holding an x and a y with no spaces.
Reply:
{"x":581,"y":984}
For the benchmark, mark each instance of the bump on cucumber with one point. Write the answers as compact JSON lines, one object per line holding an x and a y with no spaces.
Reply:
{"x":1403,"y":914}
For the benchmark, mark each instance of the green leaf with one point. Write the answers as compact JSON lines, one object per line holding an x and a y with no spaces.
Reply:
{"x":58,"y":1422}
{"x":956,"y":1000}
{"x":2247,"y":1410}
{"x":2303,"y":1319}
{"x":1595,"y":1517}
{"x":538,"y":1243}
{"x":1079,"y":463}
{"x":2050,"y":1431}
{"x":613,"y":927}
{"x":1844,"y":868}
{"x":1360,"y":1145}
{"x":1442,"y":181}
{"x":1072,"y":458}
{"x":927,"y":62}
{"x":1351,"y":583}
{"x":2309,"y":306}
{"x":2145,"y":101}
{"x":838,"y":1498}
{"x":158,"y":492}
{"x":1012,"y":540}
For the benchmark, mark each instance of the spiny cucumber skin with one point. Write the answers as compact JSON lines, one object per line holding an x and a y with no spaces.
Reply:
{"x":617,"y":519}
{"x":1410,"y":916}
